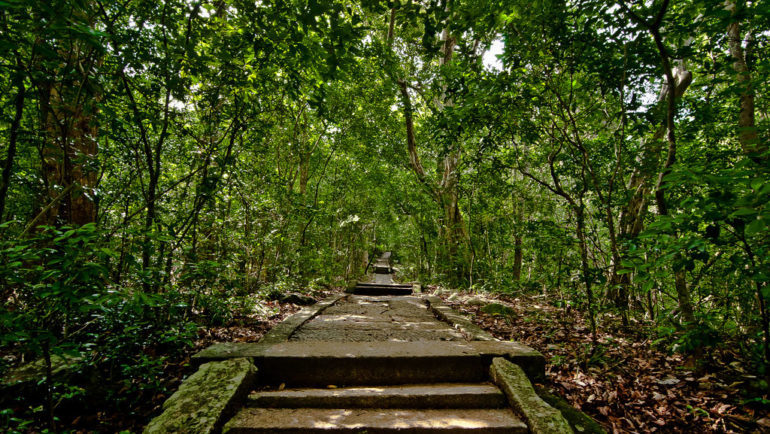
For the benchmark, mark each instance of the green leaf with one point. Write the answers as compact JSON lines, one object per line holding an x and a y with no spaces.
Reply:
{"x":755,"y":227}
{"x":743,"y":212}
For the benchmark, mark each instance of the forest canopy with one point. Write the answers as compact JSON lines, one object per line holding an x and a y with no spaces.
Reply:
{"x":165,"y":161}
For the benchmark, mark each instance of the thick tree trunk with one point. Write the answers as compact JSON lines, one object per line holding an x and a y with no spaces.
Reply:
{"x":640,"y":183}
{"x":68,"y":153}
{"x":444,"y":190}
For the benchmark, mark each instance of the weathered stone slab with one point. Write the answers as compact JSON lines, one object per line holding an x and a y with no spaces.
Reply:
{"x":359,"y":321}
{"x":318,"y":363}
{"x":539,"y":416}
{"x":381,"y":281}
{"x":446,"y":313}
{"x":314,"y":420}
{"x":206,"y":399}
{"x":579,"y":421}
{"x":25,"y":380}
{"x":228,"y":350}
{"x":33,"y":372}
{"x":439,"y":395}
{"x":527,"y":358}
{"x":283,"y":330}
{"x":415,"y":357}
{"x":364,"y":319}
{"x":382,"y":290}
{"x":383,"y":334}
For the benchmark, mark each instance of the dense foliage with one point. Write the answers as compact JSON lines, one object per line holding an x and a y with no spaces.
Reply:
{"x":164,"y":160}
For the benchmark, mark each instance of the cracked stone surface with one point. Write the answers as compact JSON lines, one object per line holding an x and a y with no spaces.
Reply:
{"x":367,"y":319}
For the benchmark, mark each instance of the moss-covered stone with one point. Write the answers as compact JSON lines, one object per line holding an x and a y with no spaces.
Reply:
{"x":449,"y":315}
{"x":26,"y":380}
{"x":579,"y":421}
{"x":33,"y":372}
{"x":498,"y":309}
{"x":206,"y":399}
{"x":539,"y":416}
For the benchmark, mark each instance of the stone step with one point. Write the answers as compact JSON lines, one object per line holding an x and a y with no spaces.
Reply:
{"x":317,"y":420}
{"x":322,"y":363}
{"x":389,"y":285}
{"x":364,"y":363}
{"x":382,"y":290}
{"x":440,"y":395}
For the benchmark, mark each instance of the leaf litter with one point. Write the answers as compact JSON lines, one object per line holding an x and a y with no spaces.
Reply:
{"x":626,"y":383}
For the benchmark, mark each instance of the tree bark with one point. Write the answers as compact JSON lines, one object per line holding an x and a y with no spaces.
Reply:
{"x":747,"y":130}
{"x":517,"y":257}
{"x":12,"y":139}
{"x":677,"y":80}
{"x":70,"y":127}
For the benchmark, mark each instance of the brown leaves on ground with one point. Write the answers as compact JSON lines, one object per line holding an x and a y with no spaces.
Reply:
{"x":626,"y":384}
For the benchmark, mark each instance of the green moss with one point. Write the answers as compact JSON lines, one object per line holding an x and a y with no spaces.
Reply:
{"x":579,"y":421}
{"x":206,"y":399}
{"x":538,"y":415}
{"x":498,"y":309}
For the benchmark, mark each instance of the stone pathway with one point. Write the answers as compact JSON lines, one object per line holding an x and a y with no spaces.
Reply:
{"x":362,"y":363}
{"x":382,"y":282}
{"x":371,"y":319}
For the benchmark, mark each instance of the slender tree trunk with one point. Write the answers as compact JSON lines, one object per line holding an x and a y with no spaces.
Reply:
{"x":517,"y":257}
{"x":581,"y":234}
{"x":673,"y":84}
{"x":49,"y":406}
{"x":680,"y":276}
{"x":12,"y":139}
{"x":683,"y":296}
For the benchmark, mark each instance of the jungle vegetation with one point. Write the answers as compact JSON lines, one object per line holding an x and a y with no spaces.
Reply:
{"x":164,"y":161}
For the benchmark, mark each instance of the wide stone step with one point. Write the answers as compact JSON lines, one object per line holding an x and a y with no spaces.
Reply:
{"x":322,"y":363}
{"x":375,"y":289}
{"x":315,"y":420}
{"x":443,"y":395}
{"x":388,"y":285}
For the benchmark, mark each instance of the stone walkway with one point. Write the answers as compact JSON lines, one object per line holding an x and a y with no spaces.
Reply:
{"x":361,"y":363}
{"x":370,"y":319}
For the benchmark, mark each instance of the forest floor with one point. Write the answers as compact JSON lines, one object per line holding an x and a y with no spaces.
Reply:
{"x":627,"y":384}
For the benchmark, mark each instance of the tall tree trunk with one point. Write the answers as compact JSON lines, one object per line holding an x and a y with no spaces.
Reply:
{"x":445,"y":190}
{"x":13,"y":137}
{"x":517,"y":257}
{"x":677,"y":78}
{"x":747,"y":130}
{"x":69,"y":151}
{"x":587,"y":280}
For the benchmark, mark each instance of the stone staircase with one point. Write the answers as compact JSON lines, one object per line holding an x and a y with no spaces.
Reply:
{"x":421,"y":386}
{"x":437,"y":407}
{"x":365,"y":364}
{"x":382,"y":283}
